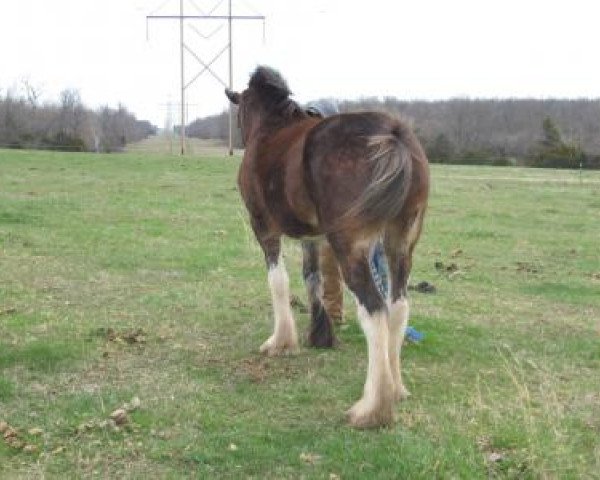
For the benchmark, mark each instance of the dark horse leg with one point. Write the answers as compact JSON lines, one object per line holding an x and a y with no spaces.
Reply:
{"x":399,"y":241}
{"x":284,"y":338}
{"x":375,"y":408}
{"x":321,"y":333}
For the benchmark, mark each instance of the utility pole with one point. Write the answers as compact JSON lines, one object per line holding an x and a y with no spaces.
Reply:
{"x":182,"y":57}
{"x":230,"y":85}
{"x":206,"y":65}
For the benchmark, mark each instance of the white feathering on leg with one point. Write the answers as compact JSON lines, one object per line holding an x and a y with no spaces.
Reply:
{"x":375,"y":406}
{"x":398,"y":322}
{"x":285,"y":337}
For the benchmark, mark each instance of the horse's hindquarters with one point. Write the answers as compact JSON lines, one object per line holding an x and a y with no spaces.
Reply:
{"x":363,"y":170}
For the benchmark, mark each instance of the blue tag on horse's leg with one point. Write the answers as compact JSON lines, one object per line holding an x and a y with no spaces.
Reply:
{"x":379,"y":269}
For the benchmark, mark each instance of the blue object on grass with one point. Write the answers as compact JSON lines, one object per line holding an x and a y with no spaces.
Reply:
{"x":413,"y":335}
{"x":379,"y":271}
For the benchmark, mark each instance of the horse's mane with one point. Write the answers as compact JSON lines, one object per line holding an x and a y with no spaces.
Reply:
{"x":273,"y":92}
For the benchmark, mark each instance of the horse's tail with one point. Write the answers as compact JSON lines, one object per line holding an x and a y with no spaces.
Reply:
{"x":390,"y":160}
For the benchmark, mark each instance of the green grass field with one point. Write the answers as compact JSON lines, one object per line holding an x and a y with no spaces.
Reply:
{"x":128,"y":276}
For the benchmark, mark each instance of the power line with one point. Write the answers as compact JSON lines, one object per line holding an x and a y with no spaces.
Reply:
{"x":206,"y":17}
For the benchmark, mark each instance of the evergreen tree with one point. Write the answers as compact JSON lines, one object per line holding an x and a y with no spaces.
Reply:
{"x":552,"y":138}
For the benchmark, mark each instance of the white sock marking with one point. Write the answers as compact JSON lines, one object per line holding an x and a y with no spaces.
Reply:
{"x":398,"y":321}
{"x":284,"y":332}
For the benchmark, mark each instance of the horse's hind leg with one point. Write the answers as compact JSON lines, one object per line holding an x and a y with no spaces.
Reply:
{"x":333,"y":284}
{"x":321,"y":330}
{"x":284,"y":338}
{"x":398,"y":320}
{"x":375,"y":408}
{"x":399,"y":245}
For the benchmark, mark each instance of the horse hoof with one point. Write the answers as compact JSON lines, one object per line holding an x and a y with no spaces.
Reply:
{"x":321,"y":333}
{"x":401,"y":394}
{"x":272,"y":348}
{"x":321,"y":341}
{"x":362,"y":415}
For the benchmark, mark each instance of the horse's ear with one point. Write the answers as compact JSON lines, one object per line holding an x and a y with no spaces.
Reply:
{"x":234,"y":97}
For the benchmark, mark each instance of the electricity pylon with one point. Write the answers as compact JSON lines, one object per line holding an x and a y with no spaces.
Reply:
{"x":206,"y":65}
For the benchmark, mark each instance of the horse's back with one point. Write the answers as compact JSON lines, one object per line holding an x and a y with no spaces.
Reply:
{"x":337,"y":130}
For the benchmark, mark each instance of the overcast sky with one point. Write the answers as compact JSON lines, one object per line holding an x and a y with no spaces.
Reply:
{"x":422,"y":49}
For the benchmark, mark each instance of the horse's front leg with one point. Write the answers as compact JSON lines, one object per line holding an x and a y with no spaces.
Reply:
{"x":284,"y":338}
{"x":321,"y":333}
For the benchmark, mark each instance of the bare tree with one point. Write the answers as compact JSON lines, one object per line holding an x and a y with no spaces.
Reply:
{"x":32,"y":92}
{"x":68,"y":125}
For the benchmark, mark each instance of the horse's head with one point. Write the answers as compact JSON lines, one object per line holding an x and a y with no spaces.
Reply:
{"x":265,"y":102}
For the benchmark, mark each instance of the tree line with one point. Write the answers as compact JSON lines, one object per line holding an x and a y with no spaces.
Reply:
{"x":545,"y":133}
{"x":67,"y":125}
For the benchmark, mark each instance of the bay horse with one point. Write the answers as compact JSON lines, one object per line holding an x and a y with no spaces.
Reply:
{"x":351,"y":180}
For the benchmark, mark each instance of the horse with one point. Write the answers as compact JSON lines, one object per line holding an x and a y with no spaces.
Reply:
{"x":351,"y":180}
